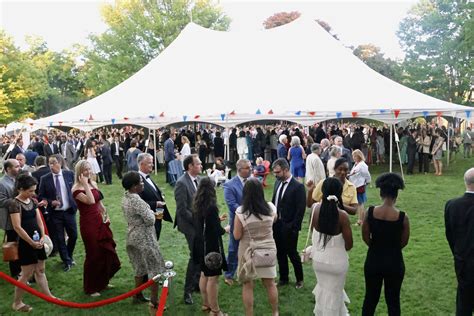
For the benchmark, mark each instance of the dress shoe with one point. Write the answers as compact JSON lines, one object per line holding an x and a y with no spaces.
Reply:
{"x":139,"y":299}
{"x":188,"y":299}
{"x":67,"y":267}
{"x":282,"y":283}
{"x":229,"y":282}
{"x":299,"y":284}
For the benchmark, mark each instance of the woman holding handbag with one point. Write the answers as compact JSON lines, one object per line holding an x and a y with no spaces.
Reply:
{"x":208,"y":250}
{"x":332,"y":238}
{"x":27,"y":223}
{"x":360,"y":177}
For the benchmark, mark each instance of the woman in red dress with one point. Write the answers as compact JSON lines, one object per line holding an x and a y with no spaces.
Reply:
{"x":101,"y":261}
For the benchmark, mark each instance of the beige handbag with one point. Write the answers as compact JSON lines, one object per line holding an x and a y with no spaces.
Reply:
{"x":307,"y":250}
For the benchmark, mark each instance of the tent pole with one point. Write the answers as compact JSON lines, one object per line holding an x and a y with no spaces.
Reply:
{"x":400,"y":159}
{"x":391,"y":146}
{"x":155,"y":153}
{"x":227,"y":151}
{"x":447,"y":147}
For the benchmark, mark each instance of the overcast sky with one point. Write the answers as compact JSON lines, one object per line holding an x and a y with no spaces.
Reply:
{"x":63,"y":23}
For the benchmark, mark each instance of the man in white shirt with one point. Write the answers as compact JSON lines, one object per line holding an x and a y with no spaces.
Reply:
{"x":314,"y":166}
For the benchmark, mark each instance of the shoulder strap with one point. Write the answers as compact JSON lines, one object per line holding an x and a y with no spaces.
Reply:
{"x":371,"y":212}
{"x":310,"y":225}
{"x":401,"y":217}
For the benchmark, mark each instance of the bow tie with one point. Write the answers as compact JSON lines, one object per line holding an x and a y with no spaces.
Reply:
{"x":147,"y":177}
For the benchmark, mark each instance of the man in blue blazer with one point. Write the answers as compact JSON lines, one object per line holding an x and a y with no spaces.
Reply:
{"x":233,"y":190}
{"x":55,"y":188}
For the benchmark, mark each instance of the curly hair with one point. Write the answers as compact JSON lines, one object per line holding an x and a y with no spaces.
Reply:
{"x":389,"y":183}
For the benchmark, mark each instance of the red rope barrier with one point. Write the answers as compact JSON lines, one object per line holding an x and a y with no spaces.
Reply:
{"x":73,"y":304}
{"x":163,"y":297}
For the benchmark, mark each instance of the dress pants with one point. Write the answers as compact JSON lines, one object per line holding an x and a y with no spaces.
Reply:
{"x":107,"y":169}
{"x":15,"y":267}
{"x":411,"y":161}
{"x":465,"y":301}
{"x":232,"y":257}
{"x":65,"y":221}
{"x":423,"y":162}
{"x":118,"y":166}
{"x":193,"y":272}
{"x":286,"y":242}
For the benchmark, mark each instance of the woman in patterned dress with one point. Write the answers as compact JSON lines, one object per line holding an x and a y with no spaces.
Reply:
{"x":142,"y":246}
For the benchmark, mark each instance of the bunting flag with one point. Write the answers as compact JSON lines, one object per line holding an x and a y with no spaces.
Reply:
{"x":338,"y":115}
{"x":298,"y":113}
{"x":50,"y":124}
{"x":222,"y":116}
{"x":90,"y":117}
{"x":382,"y":111}
{"x":270,"y":112}
{"x":31,"y":124}
{"x":354,"y":114}
{"x":197,"y":116}
{"x":312,"y":113}
{"x":232,"y":113}
{"x":425,"y":113}
{"x":151,"y":117}
{"x":258,"y":112}
{"x":60,"y":123}
{"x":162,"y":114}
{"x":185,"y":118}
{"x":468,"y":113}
{"x":82,"y":120}
{"x":439,"y":113}
{"x":113,"y":121}
{"x":125,"y":118}
{"x":396,"y":113}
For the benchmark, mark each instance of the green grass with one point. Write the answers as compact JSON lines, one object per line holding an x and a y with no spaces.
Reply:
{"x":428,"y":289}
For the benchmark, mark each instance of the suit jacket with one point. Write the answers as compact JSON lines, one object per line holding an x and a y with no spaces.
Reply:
{"x":106,"y":155}
{"x":39,"y":173}
{"x":7,"y":185}
{"x":15,"y":151}
{"x":70,"y":151}
{"x":291,"y":208}
{"x":47,"y":150}
{"x":169,"y":150}
{"x":47,"y":189}
{"x":233,"y":190}
{"x":184,"y":192}
{"x":151,"y":196}
{"x":459,"y":221}
{"x":39,"y":148}
{"x":113,"y":149}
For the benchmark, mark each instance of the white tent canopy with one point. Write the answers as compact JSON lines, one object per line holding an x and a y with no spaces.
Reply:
{"x":296,"y":72}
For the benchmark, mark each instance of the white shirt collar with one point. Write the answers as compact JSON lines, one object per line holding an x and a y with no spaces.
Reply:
{"x":288,"y":180}
{"x":471,"y":192}
{"x":58,"y":174}
{"x":143,"y":174}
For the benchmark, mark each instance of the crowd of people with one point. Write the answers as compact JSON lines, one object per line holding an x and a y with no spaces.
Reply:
{"x":324,"y":168}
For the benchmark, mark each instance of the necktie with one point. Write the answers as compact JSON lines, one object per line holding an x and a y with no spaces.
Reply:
{"x":280,"y":193}
{"x":58,"y":190}
{"x":196,"y":183}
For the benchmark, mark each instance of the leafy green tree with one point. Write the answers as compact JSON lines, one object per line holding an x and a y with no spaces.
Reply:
{"x":375,"y":59}
{"x":137,"y":32}
{"x":437,"y":37}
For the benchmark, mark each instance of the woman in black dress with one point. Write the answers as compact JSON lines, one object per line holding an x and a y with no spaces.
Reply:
{"x":27,"y":223}
{"x":386,"y":231}
{"x":208,"y":239}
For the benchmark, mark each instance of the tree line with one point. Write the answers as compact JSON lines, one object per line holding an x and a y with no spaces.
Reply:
{"x":436,"y":36}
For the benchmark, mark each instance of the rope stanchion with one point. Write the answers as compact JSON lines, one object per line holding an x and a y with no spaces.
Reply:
{"x":163,"y":298}
{"x":73,"y":304}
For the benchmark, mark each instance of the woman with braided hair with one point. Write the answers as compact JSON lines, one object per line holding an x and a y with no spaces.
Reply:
{"x":332,"y":238}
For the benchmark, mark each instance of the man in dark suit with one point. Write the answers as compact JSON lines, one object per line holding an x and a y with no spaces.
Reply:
{"x":116,"y":150}
{"x":55,"y":188}
{"x":151,"y":194}
{"x":37,"y":146}
{"x":18,"y":149}
{"x":50,"y":148}
{"x":411,"y":151}
{"x":184,"y":192}
{"x":459,"y":221}
{"x":42,"y":169}
{"x":106,"y":161}
{"x":289,"y":198}
{"x":233,"y":190}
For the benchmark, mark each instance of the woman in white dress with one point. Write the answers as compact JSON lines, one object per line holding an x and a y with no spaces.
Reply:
{"x":332,"y":238}
{"x":242,"y":148}
{"x":360,"y":177}
{"x":186,"y":149}
{"x":92,"y":160}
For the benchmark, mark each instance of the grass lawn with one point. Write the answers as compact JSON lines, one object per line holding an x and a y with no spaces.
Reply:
{"x":428,"y":289}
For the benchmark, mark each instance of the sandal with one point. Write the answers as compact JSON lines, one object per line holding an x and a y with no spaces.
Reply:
{"x":23,"y":308}
{"x":218,"y":313}
{"x":205,"y":309}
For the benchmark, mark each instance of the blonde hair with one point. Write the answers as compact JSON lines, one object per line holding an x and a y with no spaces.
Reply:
{"x":79,"y":168}
{"x":259,"y":160}
{"x":359,"y":154}
{"x":185,"y":139}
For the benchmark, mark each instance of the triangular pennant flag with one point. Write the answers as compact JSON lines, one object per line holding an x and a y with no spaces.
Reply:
{"x":338,"y":114}
{"x":298,"y":113}
{"x":468,"y":113}
{"x":270,"y":112}
{"x":197,"y":116}
{"x":232,"y":113}
{"x":354,"y":114}
{"x":162,"y":114}
{"x":222,"y":116}
{"x":396,"y":112}
{"x":258,"y":112}
{"x":312,"y":113}
{"x":125,"y":118}
{"x":425,"y":113}
{"x":90,"y":117}
{"x":31,"y":124}
{"x":383,"y":111}
{"x":50,"y":124}
{"x":60,"y":123}
{"x":151,"y":117}
{"x":81,"y":120}
{"x":439,"y":113}
{"x":185,"y":118}
{"x":113,"y":121}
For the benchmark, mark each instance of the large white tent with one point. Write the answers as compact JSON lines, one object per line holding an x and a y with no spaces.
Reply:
{"x":296,"y":72}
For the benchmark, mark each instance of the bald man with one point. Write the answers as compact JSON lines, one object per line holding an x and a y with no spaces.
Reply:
{"x":459,"y":221}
